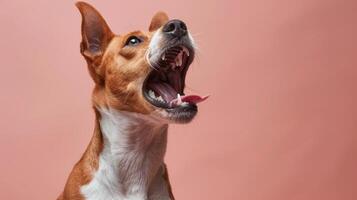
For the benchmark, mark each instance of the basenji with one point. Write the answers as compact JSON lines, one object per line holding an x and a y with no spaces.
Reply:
{"x":139,"y":89}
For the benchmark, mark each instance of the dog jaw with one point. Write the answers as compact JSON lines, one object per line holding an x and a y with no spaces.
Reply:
{"x":158,"y":48}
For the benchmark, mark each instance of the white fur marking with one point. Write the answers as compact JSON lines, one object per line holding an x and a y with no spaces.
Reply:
{"x":138,"y":161}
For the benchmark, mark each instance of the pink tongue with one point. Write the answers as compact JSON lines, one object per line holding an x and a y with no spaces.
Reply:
{"x":193,"y":98}
{"x":189,"y":99}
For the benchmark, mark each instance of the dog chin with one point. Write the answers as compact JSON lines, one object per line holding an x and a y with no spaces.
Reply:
{"x":182,"y":114}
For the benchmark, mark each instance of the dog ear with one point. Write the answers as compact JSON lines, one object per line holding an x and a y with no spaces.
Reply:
{"x":96,"y":34}
{"x":158,"y":20}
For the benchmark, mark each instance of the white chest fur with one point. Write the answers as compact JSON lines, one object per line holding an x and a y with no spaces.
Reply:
{"x":131,"y":163}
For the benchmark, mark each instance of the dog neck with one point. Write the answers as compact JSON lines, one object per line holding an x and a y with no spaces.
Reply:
{"x":131,"y":162}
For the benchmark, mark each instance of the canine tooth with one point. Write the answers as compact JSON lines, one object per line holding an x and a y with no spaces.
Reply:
{"x":179,"y":100}
{"x":163,"y":57}
{"x":178,"y":59}
{"x":187,"y":52}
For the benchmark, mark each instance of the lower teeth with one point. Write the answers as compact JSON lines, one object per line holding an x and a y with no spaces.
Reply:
{"x":153,"y":95}
{"x":160,"y":99}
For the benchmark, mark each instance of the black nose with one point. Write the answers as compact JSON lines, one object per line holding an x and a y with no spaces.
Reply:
{"x":175,"y":28}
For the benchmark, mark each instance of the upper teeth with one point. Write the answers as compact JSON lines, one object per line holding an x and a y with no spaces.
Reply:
{"x":178,"y":60}
{"x":186,"y":51}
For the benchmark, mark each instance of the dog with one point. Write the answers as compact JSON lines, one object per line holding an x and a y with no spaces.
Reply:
{"x":139,"y":89}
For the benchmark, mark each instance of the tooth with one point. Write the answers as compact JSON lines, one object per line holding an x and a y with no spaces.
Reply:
{"x":177,"y":62}
{"x":152,"y":94}
{"x":178,"y":59}
{"x":179,"y":100}
{"x":186,"y":51}
{"x":160,"y":99}
{"x":163,"y":57}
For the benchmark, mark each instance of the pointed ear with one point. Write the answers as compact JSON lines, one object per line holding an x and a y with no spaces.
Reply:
{"x":96,"y":34}
{"x":158,"y":20}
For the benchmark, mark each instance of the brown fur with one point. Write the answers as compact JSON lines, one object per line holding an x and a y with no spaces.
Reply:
{"x":118,"y":73}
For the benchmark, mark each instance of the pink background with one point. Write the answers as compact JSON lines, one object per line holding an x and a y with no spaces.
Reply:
{"x":281,"y":122}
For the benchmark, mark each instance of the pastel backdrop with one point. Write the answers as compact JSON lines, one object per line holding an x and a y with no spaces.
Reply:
{"x":281,"y":122}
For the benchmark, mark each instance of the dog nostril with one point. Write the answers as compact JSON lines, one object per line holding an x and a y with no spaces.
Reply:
{"x":183,"y":26}
{"x":170,"y":27}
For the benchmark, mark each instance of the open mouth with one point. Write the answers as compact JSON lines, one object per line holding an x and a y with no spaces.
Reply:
{"x":165,"y":85}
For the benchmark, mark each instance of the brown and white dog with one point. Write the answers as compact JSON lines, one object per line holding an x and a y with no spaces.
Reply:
{"x":139,"y":89}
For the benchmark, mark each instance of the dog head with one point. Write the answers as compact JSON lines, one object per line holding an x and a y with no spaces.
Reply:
{"x":141,"y":71}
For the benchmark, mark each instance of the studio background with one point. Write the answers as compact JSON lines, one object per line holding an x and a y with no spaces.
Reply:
{"x":281,"y":122}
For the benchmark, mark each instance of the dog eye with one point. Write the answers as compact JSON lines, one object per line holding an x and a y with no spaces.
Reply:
{"x":133,"y":41}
